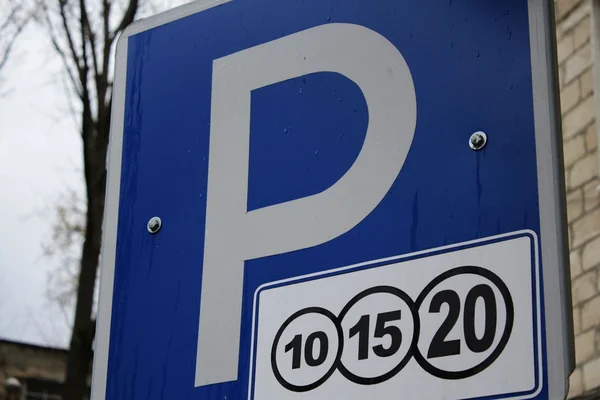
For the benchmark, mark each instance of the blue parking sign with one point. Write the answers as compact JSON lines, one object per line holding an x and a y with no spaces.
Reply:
{"x":314,"y":199}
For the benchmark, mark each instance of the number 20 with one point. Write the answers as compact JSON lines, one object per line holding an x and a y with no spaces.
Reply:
{"x":440,"y":347}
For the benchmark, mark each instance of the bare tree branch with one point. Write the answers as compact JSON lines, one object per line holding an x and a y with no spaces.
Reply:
{"x":11,"y":42}
{"x":128,"y":17}
{"x":106,"y":6}
{"x":61,"y":53}
{"x":11,"y":17}
{"x":11,"y":27}
{"x":87,"y":31}
{"x":67,"y":32}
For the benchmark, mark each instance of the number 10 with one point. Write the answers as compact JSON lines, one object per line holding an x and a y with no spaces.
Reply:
{"x":296,"y":346}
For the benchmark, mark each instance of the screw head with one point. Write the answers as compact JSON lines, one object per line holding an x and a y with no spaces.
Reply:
{"x":154,"y":225}
{"x":478,"y":140}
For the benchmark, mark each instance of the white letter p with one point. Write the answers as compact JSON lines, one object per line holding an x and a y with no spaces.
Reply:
{"x":233,"y":234}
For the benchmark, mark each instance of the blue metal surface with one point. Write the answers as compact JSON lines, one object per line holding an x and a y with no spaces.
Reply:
{"x":470,"y":62}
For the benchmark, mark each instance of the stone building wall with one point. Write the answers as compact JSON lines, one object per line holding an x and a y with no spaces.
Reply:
{"x":29,"y":362}
{"x":576,"y":53}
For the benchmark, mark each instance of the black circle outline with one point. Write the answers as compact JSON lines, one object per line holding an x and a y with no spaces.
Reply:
{"x":416,"y":324}
{"x":510,"y":314}
{"x":296,"y":388}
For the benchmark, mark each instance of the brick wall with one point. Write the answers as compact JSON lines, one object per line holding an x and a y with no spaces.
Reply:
{"x":575,"y":57}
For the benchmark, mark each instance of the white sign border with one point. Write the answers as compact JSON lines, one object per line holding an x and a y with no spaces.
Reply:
{"x":559,"y":351}
{"x":558,"y":322}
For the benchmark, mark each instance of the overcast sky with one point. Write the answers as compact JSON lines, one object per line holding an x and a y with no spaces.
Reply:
{"x":40,"y":160}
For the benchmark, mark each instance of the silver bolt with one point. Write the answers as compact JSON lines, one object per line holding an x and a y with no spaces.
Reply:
{"x":154,"y":225}
{"x":478,"y":140}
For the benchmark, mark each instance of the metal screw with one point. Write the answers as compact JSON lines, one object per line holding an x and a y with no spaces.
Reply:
{"x":154,"y":225}
{"x":478,"y":140}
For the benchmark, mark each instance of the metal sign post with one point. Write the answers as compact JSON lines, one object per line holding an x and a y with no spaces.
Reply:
{"x":315,"y":199}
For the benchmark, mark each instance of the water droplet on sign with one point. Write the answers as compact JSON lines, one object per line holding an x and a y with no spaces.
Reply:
{"x":301,"y":91}
{"x":316,"y":152}
{"x":328,"y":18}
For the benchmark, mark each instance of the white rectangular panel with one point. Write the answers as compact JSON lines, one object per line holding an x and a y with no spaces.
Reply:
{"x":461,"y":322}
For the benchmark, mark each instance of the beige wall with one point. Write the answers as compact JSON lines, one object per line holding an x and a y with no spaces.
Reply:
{"x":576,"y":54}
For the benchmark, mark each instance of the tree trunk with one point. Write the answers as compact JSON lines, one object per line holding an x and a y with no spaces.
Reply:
{"x":80,"y":352}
